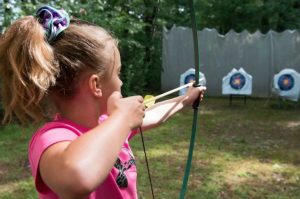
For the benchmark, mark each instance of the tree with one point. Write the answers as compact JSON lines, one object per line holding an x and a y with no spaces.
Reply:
{"x":138,"y":25}
{"x":239,"y":15}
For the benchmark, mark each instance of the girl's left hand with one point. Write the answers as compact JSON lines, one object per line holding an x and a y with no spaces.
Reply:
{"x":193,"y":93}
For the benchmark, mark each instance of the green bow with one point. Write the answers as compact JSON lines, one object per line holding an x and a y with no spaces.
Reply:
{"x":195,"y":106}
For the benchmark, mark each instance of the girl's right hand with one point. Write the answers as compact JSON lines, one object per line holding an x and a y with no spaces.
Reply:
{"x":132,"y":108}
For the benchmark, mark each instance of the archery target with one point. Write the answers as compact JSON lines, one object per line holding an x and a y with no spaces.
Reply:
{"x":189,"y":76}
{"x":237,"y":82}
{"x":287,"y":84}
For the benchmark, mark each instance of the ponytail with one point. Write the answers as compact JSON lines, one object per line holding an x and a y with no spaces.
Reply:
{"x":27,"y":69}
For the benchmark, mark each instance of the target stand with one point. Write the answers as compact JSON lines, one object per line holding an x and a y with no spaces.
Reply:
{"x":231,"y":97}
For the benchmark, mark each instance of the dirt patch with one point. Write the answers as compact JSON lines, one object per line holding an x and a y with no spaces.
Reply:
{"x":4,"y":169}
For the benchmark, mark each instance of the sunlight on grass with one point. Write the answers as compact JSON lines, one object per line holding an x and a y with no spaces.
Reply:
{"x":293,"y":124}
{"x":238,"y":172}
{"x":160,"y":152}
{"x":23,"y":189}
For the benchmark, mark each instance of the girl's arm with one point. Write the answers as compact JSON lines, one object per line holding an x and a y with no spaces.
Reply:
{"x":73,"y":169}
{"x":162,"y":111}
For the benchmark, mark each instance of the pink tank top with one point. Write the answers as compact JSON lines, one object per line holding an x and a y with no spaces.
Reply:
{"x":121,"y":181}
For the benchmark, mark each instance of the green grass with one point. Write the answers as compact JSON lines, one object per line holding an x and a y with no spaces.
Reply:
{"x":250,"y":151}
{"x":15,"y":178}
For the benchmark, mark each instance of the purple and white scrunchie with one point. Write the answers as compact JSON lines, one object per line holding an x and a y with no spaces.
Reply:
{"x":53,"y":21}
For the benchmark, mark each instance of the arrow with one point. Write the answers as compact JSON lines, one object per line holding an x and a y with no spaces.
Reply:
{"x":149,"y":100}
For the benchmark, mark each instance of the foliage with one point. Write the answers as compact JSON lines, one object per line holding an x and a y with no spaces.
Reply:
{"x":138,"y":25}
{"x":264,"y":15}
{"x":132,"y":22}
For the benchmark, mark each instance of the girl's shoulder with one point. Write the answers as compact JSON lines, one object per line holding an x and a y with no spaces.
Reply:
{"x":57,"y":125}
{"x":49,"y":134}
{"x":60,"y":124}
{"x":57,"y":130}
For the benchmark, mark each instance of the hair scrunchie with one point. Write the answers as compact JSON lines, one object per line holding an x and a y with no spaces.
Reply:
{"x":53,"y":21}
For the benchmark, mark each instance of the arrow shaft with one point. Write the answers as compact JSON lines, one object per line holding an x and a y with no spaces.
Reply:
{"x":168,"y":93}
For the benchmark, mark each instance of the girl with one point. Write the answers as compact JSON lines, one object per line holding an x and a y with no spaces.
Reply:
{"x":83,"y":152}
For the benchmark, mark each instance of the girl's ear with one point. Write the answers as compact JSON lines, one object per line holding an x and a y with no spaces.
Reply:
{"x":95,"y":86}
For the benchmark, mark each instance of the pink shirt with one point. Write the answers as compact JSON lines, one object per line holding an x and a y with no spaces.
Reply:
{"x":121,"y":181}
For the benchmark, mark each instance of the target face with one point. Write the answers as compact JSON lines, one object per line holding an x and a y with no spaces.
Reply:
{"x":286,"y":82}
{"x":237,"y":81}
{"x":190,"y":78}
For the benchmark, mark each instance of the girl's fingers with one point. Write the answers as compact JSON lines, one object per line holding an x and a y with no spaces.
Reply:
{"x":140,"y":99}
{"x":202,"y":88}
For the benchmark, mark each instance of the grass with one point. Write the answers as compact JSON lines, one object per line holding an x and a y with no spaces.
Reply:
{"x":15,"y":178}
{"x":242,"y":151}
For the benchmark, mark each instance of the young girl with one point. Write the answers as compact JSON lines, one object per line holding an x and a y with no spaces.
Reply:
{"x":83,"y":152}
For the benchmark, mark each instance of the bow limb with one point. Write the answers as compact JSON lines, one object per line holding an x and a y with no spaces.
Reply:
{"x":196,"y":104}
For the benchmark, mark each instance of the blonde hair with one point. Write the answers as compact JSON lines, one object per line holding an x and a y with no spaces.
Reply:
{"x":31,"y":68}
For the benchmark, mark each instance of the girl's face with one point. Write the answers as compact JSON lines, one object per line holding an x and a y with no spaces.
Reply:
{"x":112,"y":82}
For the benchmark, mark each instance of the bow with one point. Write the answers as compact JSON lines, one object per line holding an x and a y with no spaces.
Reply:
{"x":195,"y":107}
{"x":196,"y":103}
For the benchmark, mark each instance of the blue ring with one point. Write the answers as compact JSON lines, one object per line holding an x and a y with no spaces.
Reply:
{"x":237,"y":81}
{"x":286,"y":82}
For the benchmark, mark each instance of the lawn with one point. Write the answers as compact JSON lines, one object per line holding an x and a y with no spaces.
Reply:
{"x":242,"y":151}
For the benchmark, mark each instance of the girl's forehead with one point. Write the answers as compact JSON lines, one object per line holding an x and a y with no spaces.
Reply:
{"x":110,"y":52}
{"x":117,"y":59}
{"x":113,"y":58}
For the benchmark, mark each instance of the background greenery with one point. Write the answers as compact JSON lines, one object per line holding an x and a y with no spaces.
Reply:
{"x":138,"y":25}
